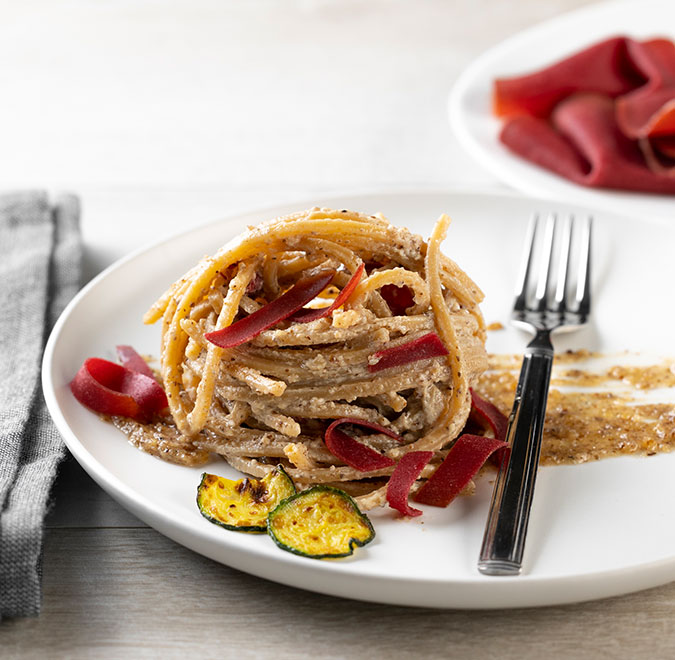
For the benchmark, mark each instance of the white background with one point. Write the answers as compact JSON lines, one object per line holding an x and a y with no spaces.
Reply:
{"x":163,"y":115}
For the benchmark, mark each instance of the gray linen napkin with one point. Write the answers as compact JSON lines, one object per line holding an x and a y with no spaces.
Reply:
{"x":40,"y":258}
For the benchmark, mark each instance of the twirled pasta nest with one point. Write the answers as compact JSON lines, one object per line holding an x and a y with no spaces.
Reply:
{"x":270,"y":399}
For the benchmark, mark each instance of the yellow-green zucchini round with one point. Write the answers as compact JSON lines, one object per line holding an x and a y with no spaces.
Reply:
{"x":321,"y":522}
{"x":242,"y":505}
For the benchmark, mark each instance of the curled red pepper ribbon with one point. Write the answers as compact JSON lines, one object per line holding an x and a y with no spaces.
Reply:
{"x":111,"y":389}
{"x":422,"y":348}
{"x":488,"y":414}
{"x":402,"y":479}
{"x":255,"y":285}
{"x":354,"y":453}
{"x":463,"y":461}
{"x":398,"y":298}
{"x":279,"y":309}
{"x":307,"y":315}
{"x":132,"y":360}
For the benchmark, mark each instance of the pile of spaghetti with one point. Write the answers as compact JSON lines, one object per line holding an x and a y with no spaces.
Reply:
{"x":319,"y":341}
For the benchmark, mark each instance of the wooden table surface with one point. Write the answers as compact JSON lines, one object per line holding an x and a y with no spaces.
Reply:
{"x":165,"y":115}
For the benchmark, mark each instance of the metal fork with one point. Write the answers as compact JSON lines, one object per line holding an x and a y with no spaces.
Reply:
{"x":544,"y":303}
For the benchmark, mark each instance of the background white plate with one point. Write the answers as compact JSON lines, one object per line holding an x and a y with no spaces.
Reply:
{"x":478,"y":130}
{"x":596,"y":530}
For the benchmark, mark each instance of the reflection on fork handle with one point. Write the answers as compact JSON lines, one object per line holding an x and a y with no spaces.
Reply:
{"x":506,"y":529}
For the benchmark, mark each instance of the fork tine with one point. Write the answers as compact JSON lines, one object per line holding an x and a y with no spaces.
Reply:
{"x":526,"y":265}
{"x":545,"y":264}
{"x":583,"y":297}
{"x":560,"y":300}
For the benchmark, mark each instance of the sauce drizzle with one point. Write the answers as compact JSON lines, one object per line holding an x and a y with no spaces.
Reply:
{"x":617,"y":417}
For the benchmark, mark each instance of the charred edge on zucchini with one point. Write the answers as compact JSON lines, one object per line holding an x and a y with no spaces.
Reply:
{"x":321,"y":522}
{"x":242,"y":506}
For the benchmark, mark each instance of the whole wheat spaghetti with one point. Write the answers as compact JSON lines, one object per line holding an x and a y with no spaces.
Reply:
{"x":269,"y":400}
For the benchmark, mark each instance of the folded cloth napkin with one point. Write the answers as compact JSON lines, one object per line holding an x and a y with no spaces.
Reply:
{"x":40,"y":257}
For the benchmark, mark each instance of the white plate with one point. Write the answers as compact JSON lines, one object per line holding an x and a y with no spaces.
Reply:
{"x":478,"y":130}
{"x":596,"y":530}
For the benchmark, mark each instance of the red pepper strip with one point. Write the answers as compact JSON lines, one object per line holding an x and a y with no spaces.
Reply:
{"x":465,"y":458}
{"x":487,"y":413}
{"x":132,"y":360}
{"x":307,"y":315}
{"x":351,"y":451}
{"x":255,"y":284}
{"x":424,"y":347}
{"x":398,"y":298}
{"x":284,"y":306}
{"x":111,"y":389}
{"x":402,"y":479}
{"x":484,"y":412}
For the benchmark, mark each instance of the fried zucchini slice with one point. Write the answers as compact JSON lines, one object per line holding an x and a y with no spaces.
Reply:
{"x":320,"y":522}
{"x":242,"y":505}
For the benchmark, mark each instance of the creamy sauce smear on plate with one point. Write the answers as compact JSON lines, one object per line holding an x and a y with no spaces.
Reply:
{"x":597,"y":407}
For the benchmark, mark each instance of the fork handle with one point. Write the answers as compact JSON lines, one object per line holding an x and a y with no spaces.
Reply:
{"x":506,"y":529}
